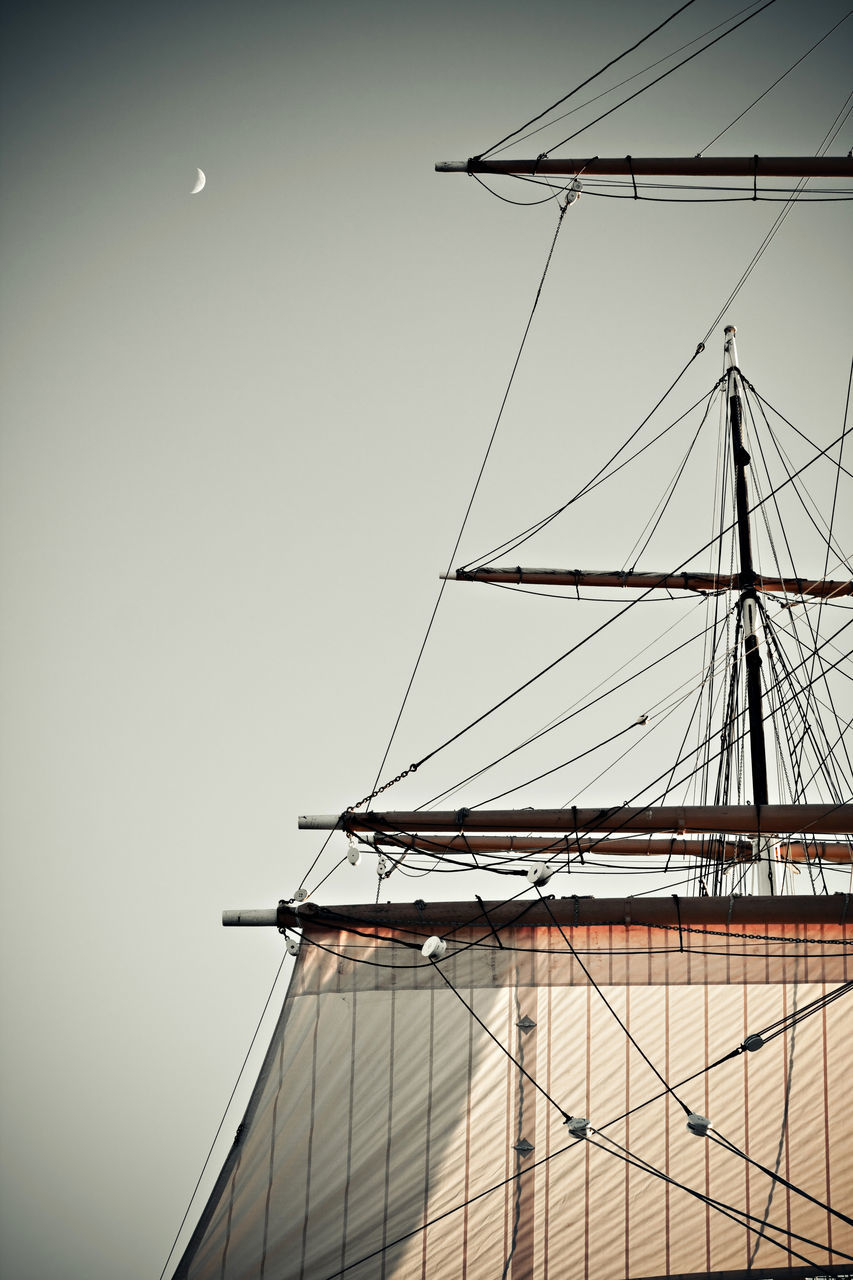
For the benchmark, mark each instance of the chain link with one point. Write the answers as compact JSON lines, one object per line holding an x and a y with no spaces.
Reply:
{"x":750,"y":937}
{"x":413,"y":768}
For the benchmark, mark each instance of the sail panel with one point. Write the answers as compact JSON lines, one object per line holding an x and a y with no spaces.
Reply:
{"x":410,"y":1118}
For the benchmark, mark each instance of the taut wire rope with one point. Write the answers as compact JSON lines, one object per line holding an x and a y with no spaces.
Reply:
{"x":588,"y":80}
{"x":663,"y":76}
{"x":563,"y":208}
{"x":779,"y":80}
{"x":608,"y":622}
{"x":589,"y":101}
{"x":224,"y":1114}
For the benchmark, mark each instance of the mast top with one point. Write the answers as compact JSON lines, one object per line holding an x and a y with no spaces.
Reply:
{"x":730,"y":346}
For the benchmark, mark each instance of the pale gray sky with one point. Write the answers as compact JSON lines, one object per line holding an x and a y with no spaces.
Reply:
{"x":240,"y":431}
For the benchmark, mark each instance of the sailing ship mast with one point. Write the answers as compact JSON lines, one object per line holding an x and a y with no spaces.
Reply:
{"x":765,"y":824}
{"x":748,"y":601}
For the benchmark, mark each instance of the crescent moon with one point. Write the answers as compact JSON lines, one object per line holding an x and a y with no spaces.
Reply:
{"x":199,"y":182}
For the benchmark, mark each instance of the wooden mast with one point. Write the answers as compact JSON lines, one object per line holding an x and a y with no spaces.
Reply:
{"x":748,"y":602}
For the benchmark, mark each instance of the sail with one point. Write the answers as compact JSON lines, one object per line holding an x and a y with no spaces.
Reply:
{"x":421,"y":1117}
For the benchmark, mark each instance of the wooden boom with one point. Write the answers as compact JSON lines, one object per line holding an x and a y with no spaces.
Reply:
{"x":730,"y":819}
{"x":714,"y":849}
{"x":671,"y":912}
{"x":664,"y":166}
{"x":690,"y":580}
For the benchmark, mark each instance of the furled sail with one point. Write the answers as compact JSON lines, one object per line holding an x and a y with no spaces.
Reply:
{"x":427,"y":1117}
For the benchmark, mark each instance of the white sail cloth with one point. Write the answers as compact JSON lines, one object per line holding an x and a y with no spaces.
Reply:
{"x":409,"y":1120}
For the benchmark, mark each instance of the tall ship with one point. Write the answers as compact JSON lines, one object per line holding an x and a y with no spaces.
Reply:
{"x":618,"y":1050}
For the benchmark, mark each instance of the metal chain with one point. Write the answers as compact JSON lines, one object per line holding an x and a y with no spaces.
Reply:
{"x":752,"y":937}
{"x":413,"y":768}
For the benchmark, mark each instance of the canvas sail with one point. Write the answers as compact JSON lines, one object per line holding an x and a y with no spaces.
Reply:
{"x":410,"y":1117}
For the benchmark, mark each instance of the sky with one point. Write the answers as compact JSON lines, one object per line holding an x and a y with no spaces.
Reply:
{"x":240,"y":432}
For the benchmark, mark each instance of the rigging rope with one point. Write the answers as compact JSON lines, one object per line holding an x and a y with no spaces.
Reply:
{"x":783,"y":1129}
{"x":462,"y":527}
{"x":832,"y":517}
{"x":633,"y":191}
{"x":803,"y":691}
{"x":687,"y":1110}
{"x":813,"y":628}
{"x":224,"y":1114}
{"x":802,"y":58}
{"x":577,"y":709}
{"x":349,"y":923}
{"x":721,"y":1140}
{"x":774,"y":649}
{"x":620,"y":733}
{"x":439,"y":970}
{"x":498,"y":148}
{"x":756,"y":257}
{"x":602,"y":475}
{"x":588,"y":80}
{"x":607,"y":623}
{"x":737,"y":739}
{"x":726,"y":746}
{"x":738,"y":1215}
{"x":815,"y":516}
{"x":663,"y":76}
{"x":655,"y":519}
{"x":767,"y":405}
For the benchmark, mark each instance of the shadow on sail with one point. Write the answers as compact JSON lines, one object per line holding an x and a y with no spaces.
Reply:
{"x":414,"y":1118}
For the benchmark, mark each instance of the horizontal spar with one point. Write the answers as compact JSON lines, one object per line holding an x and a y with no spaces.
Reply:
{"x":664,"y":166}
{"x":648,"y":580}
{"x":671,"y":912}
{"x":252,"y":917}
{"x":731,"y":819}
{"x":714,"y":849}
